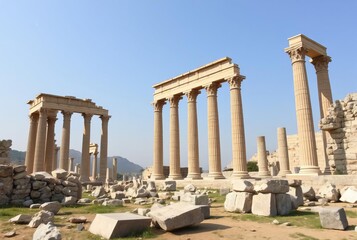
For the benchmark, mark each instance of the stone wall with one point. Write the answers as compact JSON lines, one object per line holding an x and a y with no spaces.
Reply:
{"x":19,"y":188}
{"x":341,"y":124}
{"x":5,"y":147}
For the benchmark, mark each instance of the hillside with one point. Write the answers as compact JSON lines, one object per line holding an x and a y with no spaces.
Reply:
{"x":124,"y":165}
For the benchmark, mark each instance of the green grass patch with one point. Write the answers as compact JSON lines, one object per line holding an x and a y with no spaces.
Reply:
{"x":216,"y":196}
{"x":7,"y":212}
{"x":91,"y":209}
{"x":351,"y":214}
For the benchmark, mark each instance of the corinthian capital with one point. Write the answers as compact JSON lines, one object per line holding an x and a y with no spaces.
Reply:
{"x":321,"y":62}
{"x":174,"y":100}
{"x":158,"y":105}
{"x":297,"y":54}
{"x":235,"y":82}
{"x":192,"y":95}
{"x":211,"y":89}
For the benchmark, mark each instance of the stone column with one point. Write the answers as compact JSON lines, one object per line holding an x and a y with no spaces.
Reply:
{"x":39,"y":159}
{"x":239,"y":158}
{"x":50,"y":143}
{"x":94,"y":166}
{"x":70,"y":164}
{"x":175,"y":169}
{"x":283,"y":154}
{"x":214,"y":148}
{"x":31,"y":143}
{"x":66,"y":131}
{"x":192,"y":136}
{"x":104,"y":148}
{"x":115,"y":169}
{"x":55,"y":158}
{"x":305,"y":126}
{"x":325,"y":98}
{"x":76,"y":168}
{"x":262,"y":158}
{"x":85,"y":163}
{"x":158,"y":168}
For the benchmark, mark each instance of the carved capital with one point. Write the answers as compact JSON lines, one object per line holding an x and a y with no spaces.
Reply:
{"x":174,"y":100}
{"x":87,"y":117}
{"x":192,"y":95}
{"x":211,"y":89}
{"x":235,"y":82}
{"x":158,"y":105}
{"x":33,"y":117}
{"x":67,"y":114}
{"x":321,"y":63}
{"x":297,"y":54}
{"x":43,"y":112}
{"x":105,"y":118}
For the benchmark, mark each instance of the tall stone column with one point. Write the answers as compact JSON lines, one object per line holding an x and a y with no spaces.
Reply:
{"x":70,"y":164}
{"x":66,"y":133}
{"x":239,"y":158}
{"x":104,"y":148}
{"x":214,"y":147}
{"x":31,"y":143}
{"x":325,"y":98}
{"x":94,"y":166}
{"x":39,"y":159}
{"x":262,"y":157}
{"x":85,"y":163}
{"x":305,"y":126}
{"x":115,"y":169}
{"x":55,"y":157}
{"x":50,"y":142}
{"x":158,"y":168}
{"x":283,"y":154}
{"x":175,"y":169}
{"x":192,"y":136}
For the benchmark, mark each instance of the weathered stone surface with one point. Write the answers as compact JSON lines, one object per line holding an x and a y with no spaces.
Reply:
{"x":41,"y":217}
{"x":190,"y":188}
{"x":81,"y":219}
{"x":169,"y":186}
{"x":115,"y":225}
{"x":21,"y":219}
{"x":5,"y":171}
{"x":84,"y":200}
{"x":113,"y":202}
{"x":20,"y":175}
{"x":51,"y":207}
{"x":205,"y":209}
{"x":241,"y":185}
{"x":164,"y":195}
{"x":329,"y":191}
{"x":296,"y":197}
{"x":264,"y":204}
{"x":23,"y":181}
{"x":143,"y":211}
{"x":70,"y":200}
{"x":27,"y":203}
{"x":176,"y":216}
{"x":308,"y":193}
{"x":4,"y":199}
{"x":59,"y":173}
{"x":271,"y":186}
{"x":7,"y":185}
{"x":10,"y":234}
{"x":283,"y":204}
{"x":349,"y":195}
{"x":35,"y":205}
{"x":294,"y":183}
{"x":333,"y":218}
{"x":142,"y":192}
{"x":47,"y":231}
{"x":201,"y":199}
{"x":98,"y":192}
{"x":38,"y":184}
{"x":19,"y":168}
{"x":238,"y":202}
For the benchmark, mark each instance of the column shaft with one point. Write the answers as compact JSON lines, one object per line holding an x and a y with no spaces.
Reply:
{"x":214,"y":148}
{"x":158,"y":168}
{"x":262,"y":157}
{"x":94,"y":166}
{"x":104,"y":148}
{"x":55,"y":158}
{"x":175,"y":169}
{"x":31,"y":143}
{"x":192,"y":136}
{"x":50,"y":142}
{"x":66,"y":131}
{"x":39,"y":159}
{"x":283,"y":155}
{"x":239,"y":159}
{"x":85,"y":163}
{"x":115,"y":169}
{"x":305,"y":126}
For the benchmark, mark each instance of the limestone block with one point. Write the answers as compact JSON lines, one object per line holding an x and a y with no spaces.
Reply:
{"x":7,"y":185}
{"x":264,"y":204}
{"x":201,"y":199}
{"x":272,"y":186}
{"x":51,"y":207}
{"x":84,"y":200}
{"x":308,"y":192}
{"x":20,"y":175}
{"x":151,"y":186}
{"x":296,"y":197}
{"x":143,"y":211}
{"x":115,"y":225}
{"x":283,"y":204}
{"x":41,"y":217}
{"x":238,"y":202}
{"x":142,"y":192}
{"x":59,"y":173}
{"x":350,"y":195}
{"x":177,"y":215}
{"x":21,"y":219}
{"x":164,"y":195}
{"x":333,"y":218}
{"x":205,"y":209}
{"x":47,"y":232}
{"x":117,"y":195}
{"x":5,"y":171}
{"x":19,"y":168}
{"x":241,"y":185}
{"x":169,"y":186}
{"x":116,"y":188}
{"x":329,"y":192}
{"x":190,"y":188}
{"x":113,"y":202}
{"x":70,"y":200}
{"x":98,"y":192}
{"x":38,"y":184}
{"x":81,"y":219}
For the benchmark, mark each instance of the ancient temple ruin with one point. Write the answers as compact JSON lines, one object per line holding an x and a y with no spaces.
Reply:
{"x":41,"y":142}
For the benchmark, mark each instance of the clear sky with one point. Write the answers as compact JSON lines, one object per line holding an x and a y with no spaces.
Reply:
{"x":114,"y":51}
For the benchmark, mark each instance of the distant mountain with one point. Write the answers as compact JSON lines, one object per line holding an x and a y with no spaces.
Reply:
{"x":124,"y":165}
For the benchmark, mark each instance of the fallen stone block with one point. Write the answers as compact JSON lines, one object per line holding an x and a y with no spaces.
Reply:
{"x":308,"y":193}
{"x":177,"y":215}
{"x":264,"y":204}
{"x":350,"y":195}
{"x":117,"y":195}
{"x":169,"y":186}
{"x":47,"y":232}
{"x":21,"y":219}
{"x":333,"y":218}
{"x":241,"y":185}
{"x":81,"y":219}
{"x":238,"y":202}
{"x":296,"y":197}
{"x":283,"y":204}
{"x":190,"y":188}
{"x":51,"y":207}
{"x":113,"y":202}
{"x":271,"y":186}
{"x":329,"y":191}
{"x":143,"y":211}
{"x":115,"y":225}
{"x":59,"y":173}
{"x":195,"y":199}
{"x":41,"y":217}
{"x":206,"y":211}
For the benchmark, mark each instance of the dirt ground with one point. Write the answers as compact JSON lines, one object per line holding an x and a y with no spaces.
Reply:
{"x":219,"y":226}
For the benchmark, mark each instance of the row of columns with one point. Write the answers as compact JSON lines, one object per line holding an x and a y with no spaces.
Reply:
{"x":41,"y":143}
{"x":214,"y":150}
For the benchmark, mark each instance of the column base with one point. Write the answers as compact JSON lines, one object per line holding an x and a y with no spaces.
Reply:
{"x":157,"y":177}
{"x":193,"y":176}
{"x":240,"y":175}
{"x":327,"y":171}
{"x":215,"y":175}
{"x":264,"y":174}
{"x":310,"y":170}
{"x":282,"y":173}
{"x":174,"y":177}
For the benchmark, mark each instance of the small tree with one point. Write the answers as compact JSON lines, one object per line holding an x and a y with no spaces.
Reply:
{"x":252,"y":166}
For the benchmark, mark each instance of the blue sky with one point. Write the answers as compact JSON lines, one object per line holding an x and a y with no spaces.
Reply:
{"x":114,"y":51}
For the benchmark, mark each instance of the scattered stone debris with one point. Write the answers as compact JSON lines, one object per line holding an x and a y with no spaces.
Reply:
{"x":10,"y":234}
{"x":333,"y":218}
{"x":47,"y":231}
{"x":21,"y":219}
{"x":81,"y":219}
{"x":275,"y":222}
{"x":41,"y":217}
